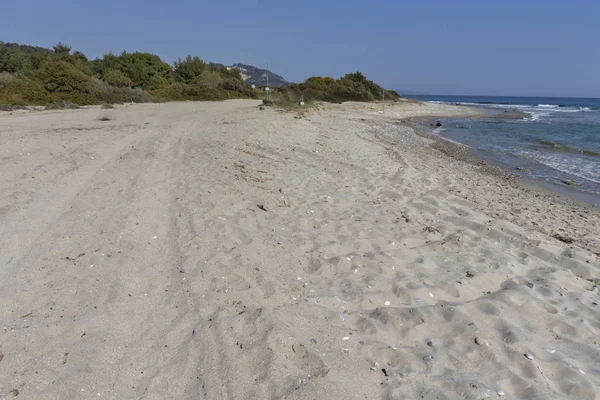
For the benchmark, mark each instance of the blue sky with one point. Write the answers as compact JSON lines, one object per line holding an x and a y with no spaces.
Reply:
{"x":528,"y":47}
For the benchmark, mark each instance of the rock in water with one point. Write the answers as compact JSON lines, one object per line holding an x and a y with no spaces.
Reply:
{"x":438,"y":123}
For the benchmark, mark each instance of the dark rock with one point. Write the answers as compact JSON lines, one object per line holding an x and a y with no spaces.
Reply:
{"x":438,"y":123}
{"x":569,"y":183}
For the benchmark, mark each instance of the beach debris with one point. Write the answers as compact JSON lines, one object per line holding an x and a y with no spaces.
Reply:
{"x":14,"y":392}
{"x":302,"y":381}
{"x":27,"y":314}
{"x":313,"y":341}
{"x":428,"y":357}
{"x":481,"y":341}
{"x":500,"y":392}
{"x":103,"y":119}
{"x":529,"y":356}
{"x":345,"y":350}
{"x":1,"y":356}
{"x":74,"y":258}
{"x":430,"y":343}
{"x":361,"y":343}
{"x":384,"y":371}
{"x":417,"y":300}
{"x":346,"y":338}
{"x":375,"y":366}
{"x":469,"y":274}
{"x":262,"y":207}
{"x":387,"y":303}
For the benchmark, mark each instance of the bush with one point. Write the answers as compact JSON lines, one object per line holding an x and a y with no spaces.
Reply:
{"x":209,"y":79}
{"x":106,"y":93}
{"x":65,"y":82}
{"x":6,"y":79}
{"x":24,"y":91}
{"x":116,"y":78}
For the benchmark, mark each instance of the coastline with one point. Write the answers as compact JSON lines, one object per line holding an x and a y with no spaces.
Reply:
{"x":462,"y":152}
{"x":220,"y":250}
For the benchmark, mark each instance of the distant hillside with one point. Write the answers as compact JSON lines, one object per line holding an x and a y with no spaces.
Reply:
{"x":258,"y":77}
{"x":30,"y":50}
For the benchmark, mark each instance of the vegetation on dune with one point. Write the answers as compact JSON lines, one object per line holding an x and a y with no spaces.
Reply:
{"x":351,"y":87}
{"x":35,"y":75}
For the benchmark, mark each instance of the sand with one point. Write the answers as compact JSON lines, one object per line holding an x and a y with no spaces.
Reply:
{"x":216,"y":251}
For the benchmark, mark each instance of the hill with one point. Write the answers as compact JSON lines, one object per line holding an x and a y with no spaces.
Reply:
{"x":257,"y":76}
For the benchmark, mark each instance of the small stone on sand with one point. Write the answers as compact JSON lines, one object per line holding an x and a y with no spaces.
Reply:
{"x":529,"y":356}
{"x":500,"y":392}
{"x":481,"y":341}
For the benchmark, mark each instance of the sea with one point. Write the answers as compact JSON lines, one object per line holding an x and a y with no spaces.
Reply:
{"x":557,"y":144}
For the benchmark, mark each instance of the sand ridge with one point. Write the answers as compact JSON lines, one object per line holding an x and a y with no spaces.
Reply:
{"x":216,"y":251}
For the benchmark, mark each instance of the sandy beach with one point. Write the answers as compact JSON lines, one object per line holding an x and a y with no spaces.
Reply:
{"x":217,"y":251}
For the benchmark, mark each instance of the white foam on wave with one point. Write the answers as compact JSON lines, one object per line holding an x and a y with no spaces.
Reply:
{"x":535,"y":116}
{"x":537,"y":112}
{"x":576,"y":166}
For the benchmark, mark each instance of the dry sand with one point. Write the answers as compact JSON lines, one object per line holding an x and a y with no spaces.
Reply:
{"x":215,"y":251}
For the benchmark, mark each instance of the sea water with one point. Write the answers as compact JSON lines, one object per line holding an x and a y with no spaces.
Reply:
{"x":557,"y":143}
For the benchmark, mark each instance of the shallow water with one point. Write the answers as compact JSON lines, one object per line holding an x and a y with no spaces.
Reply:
{"x":559,"y":143}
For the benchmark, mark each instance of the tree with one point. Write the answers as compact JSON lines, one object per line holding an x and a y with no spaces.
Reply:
{"x":356,"y":77}
{"x":62,"y":49}
{"x":188,"y":69}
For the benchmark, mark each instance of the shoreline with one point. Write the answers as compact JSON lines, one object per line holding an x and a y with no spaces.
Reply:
{"x":464,"y":153}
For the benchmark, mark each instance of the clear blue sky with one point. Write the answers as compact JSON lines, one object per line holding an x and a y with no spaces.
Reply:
{"x":483,"y":47}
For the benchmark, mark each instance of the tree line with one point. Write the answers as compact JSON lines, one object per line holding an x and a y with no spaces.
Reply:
{"x":35,"y":75}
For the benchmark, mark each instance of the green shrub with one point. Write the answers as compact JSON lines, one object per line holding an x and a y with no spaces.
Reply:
{"x":209,"y":79}
{"x":6,"y":79}
{"x":24,"y":91}
{"x":189,"y":69}
{"x":116,"y":78}
{"x":63,"y":79}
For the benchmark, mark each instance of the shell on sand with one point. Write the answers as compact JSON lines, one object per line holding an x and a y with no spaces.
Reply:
{"x":481,"y":341}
